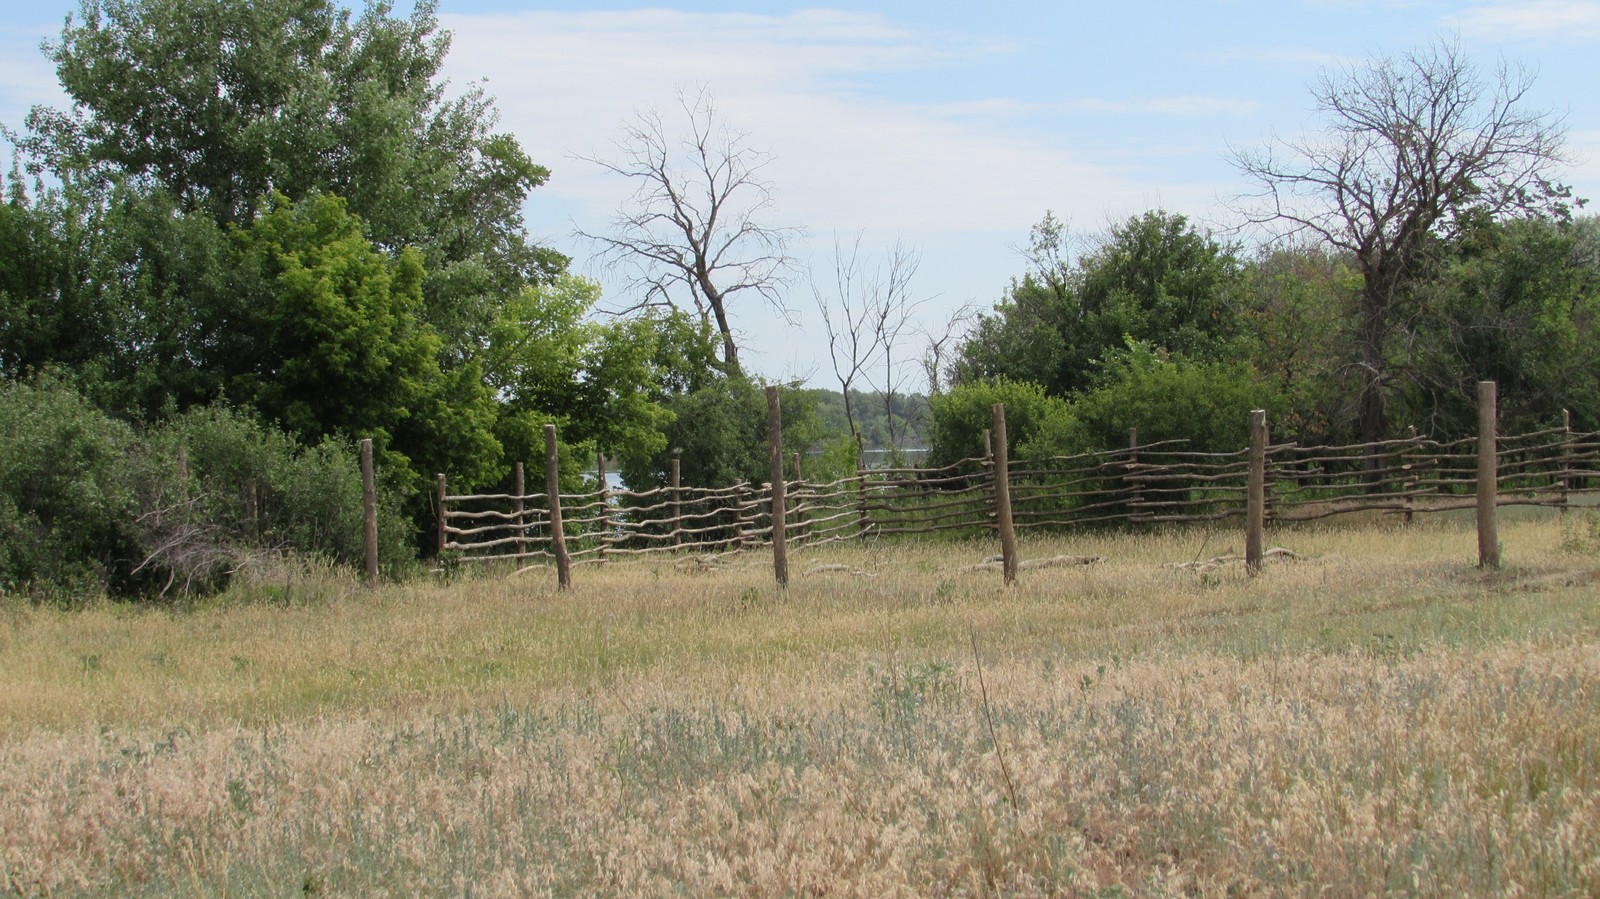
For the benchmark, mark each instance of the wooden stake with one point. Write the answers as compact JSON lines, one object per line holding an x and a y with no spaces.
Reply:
{"x":605,"y":505}
{"x":1488,"y":477}
{"x":1134,"y":495}
{"x":519,"y":522}
{"x":552,"y":481}
{"x":1256,"y":500}
{"x":780,"y":552}
{"x":677,"y":505}
{"x":1565,"y":480}
{"x":369,"y":509}
{"x":1002,"y":496}
{"x":442,"y":511}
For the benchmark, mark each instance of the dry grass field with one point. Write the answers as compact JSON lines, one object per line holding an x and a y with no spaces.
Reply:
{"x":1377,"y":718}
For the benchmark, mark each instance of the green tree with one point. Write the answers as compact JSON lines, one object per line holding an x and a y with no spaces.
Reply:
{"x":340,"y":348}
{"x":1518,"y":303}
{"x":1167,"y":397}
{"x":1155,"y":278}
{"x":1414,"y":149}
{"x":224,"y":103}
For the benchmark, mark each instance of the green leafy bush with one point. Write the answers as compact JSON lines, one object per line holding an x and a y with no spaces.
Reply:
{"x":88,"y":506}
{"x":1167,"y":397}
{"x":66,"y":509}
{"x":959,"y":417}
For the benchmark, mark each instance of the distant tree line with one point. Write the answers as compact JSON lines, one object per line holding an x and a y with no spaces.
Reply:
{"x":1418,"y":243}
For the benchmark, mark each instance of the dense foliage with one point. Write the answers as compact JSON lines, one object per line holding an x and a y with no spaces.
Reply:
{"x":89,"y":504}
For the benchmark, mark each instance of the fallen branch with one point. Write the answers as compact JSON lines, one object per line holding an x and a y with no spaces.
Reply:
{"x":995,"y":563}
{"x":828,"y":567}
{"x":1275,"y":554}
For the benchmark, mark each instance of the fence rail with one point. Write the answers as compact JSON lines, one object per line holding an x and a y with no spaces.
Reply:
{"x":1138,"y":485}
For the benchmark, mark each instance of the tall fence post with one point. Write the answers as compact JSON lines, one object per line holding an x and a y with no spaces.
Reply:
{"x":1408,"y":486}
{"x":443,"y":511}
{"x":797,"y":495}
{"x":1565,"y":480}
{"x":1488,"y":477}
{"x":1002,"y":497}
{"x":863,"y":522}
{"x":552,"y":482}
{"x":739,"y":492}
{"x":605,"y":505}
{"x":677,"y":503}
{"x":1255,"y":514}
{"x":519,"y":522}
{"x":780,"y":552}
{"x":1135,"y":496}
{"x":369,"y":511}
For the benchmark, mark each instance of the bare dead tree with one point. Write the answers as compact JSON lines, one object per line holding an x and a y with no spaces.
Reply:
{"x":895,"y":308}
{"x":694,"y":224}
{"x":937,"y":346}
{"x":1414,"y":147}
{"x":846,"y":312}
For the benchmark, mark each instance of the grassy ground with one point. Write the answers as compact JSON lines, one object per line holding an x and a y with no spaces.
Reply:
{"x":1379,"y":717}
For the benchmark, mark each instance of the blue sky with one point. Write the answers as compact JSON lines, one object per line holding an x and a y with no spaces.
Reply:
{"x":949,"y":128}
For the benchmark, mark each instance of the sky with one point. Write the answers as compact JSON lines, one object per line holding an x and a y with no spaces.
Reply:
{"x":950,"y":128}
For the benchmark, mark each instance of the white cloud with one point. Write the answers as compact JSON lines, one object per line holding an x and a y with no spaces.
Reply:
{"x":848,"y":153}
{"x":845,"y":157}
{"x":1545,"y":20}
{"x":1178,"y":105}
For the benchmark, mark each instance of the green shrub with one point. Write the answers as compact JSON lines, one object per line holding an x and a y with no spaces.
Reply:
{"x":66,"y":509}
{"x":1167,"y":397}
{"x":90,"y":507}
{"x":961,"y":415}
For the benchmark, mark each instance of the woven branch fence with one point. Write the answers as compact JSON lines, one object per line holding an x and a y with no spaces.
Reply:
{"x":1135,"y":486}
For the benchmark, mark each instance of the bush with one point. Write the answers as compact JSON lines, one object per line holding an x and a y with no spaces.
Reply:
{"x":218,"y":488}
{"x":1167,"y":397}
{"x":959,"y":417}
{"x":66,"y":508}
{"x":89,"y":507}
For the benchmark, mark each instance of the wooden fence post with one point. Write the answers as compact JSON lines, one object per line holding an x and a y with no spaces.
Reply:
{"x":519,"y":524}
{"x":741,"y":492}
{"x":605,"y":505}
{"x":1565,"y":481}
{"x":1488,"y":477}
{"x":1135,"y":497}
{"x":863,"y":521}
{"x":1408,"y":485}
{"x":780,"y":552}
{"x":1002,"y":497}
{"x":369,"y":511}
{"x":558,"y":535}
{"x":797,"y":495}
{"x":1256,"y":499}
{"x":677,"y":504}
{"x":439,"y":484}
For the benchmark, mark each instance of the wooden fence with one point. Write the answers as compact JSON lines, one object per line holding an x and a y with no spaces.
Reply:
{"x":1137,"y":485}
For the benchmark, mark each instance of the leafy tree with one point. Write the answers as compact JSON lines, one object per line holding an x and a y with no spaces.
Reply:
{"x":341,"y":349}
{"x":1300,"y":311}
{"x":1415,"y":149}
{"x":225,"y":104}
{"x":66,"y":508}
{"x":1155,"y":278}
{"x":718,"y":432}
{"x":1518,"y":302}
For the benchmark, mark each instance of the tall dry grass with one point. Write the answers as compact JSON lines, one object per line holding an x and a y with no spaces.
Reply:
{"x":1378,"y":718}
